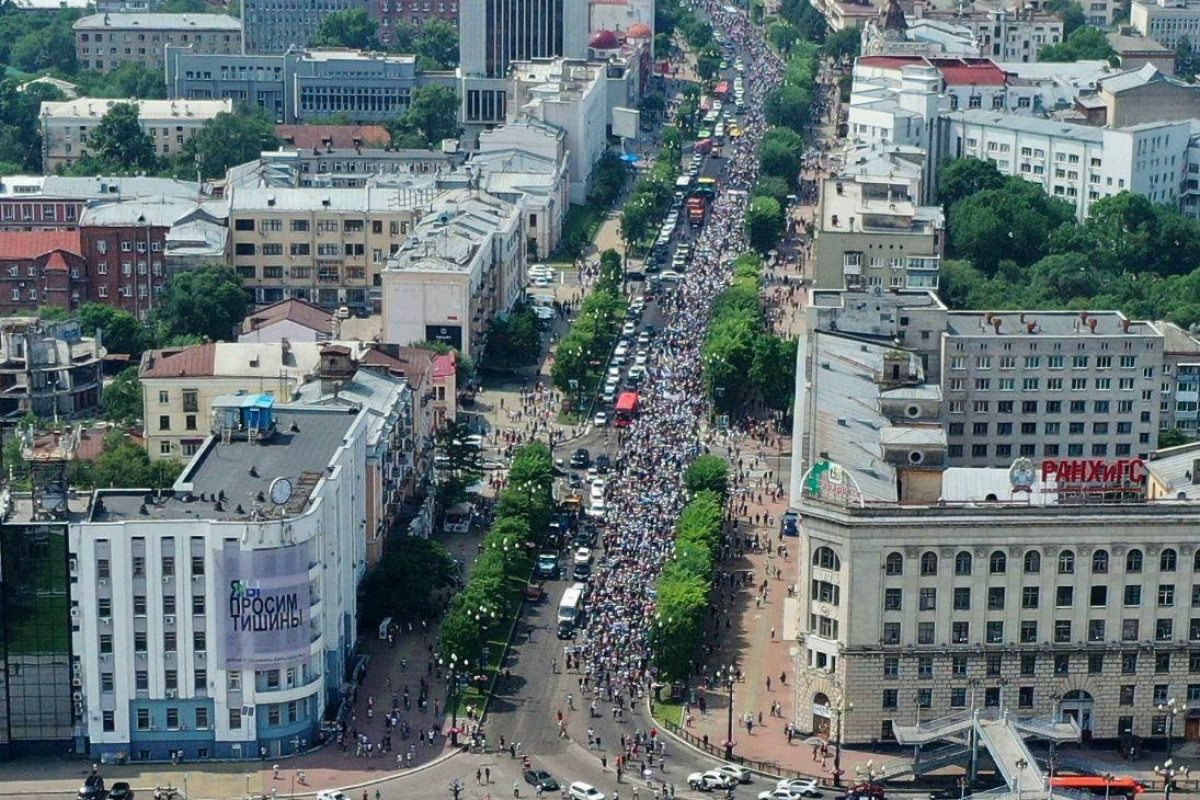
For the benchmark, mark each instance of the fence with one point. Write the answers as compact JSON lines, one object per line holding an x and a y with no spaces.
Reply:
{"x":718,"y":751}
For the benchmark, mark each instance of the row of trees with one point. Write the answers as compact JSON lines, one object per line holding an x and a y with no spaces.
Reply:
{"x":1017,"y":247}
{"x":652,"y":193}
{"x":741,"y":360}
{"x":491,"y":599}
{"x":435,"y":44}
{"x":581,"y":356}
{"x":686,"y":582}
{"x":513,"y":340}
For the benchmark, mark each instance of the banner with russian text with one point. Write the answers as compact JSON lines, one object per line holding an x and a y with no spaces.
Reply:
{"x":265,"y":618}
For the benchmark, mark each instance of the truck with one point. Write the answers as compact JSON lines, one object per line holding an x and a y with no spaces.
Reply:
{"x":695,"y":211}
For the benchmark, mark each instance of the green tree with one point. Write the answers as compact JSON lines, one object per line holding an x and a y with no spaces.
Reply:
{"x":118,"y":143}
{"x":438,"y":42}
{"x":122,"y":399}
{"x":208,"y":302}
{"x":183,"y":7}
{"x":843,"y":44}
{"x":514,"y":340}
{"x":1013,"y":222}
{"x":20,"y":130}
{"x":351,"y":28}
{"x":773,"y":371}
{"x":612,"y":272}
{"x":50,"y":47}
{"x":964,"y":177}
{"x":774,"y":187}
{"x":1085,"y":43}
{"x":708,"y":63}
{"x":129,"y":80}
{"x":225,"y":141}
{"x":707,"y":474}
{"x":790,"y":106}
{"x":1171,"y":437}
{"x":1070,"y":12}
{"x":431,"y":116}
{"x":124,"y":465}
{"x":635,"y":223}
{"x":122,"y":332}
{"x":782,"y":35}
{"x":403,"y":584}
{"x":780,"y":153}
{"x":1185,"y":59}
{"x":764,"y":223}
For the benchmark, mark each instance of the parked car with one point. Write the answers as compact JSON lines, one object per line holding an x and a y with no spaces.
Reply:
{"x":603,"y":462}
{"x":541,"y":778}
{"x":92,"y":789}
{"x":809,"y":787}
{"x":739,"y":774}
{"x":120,"y":791}
{"x":584,"y":791}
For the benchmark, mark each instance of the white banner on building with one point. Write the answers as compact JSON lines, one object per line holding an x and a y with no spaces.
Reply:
{"x":265,"y":622}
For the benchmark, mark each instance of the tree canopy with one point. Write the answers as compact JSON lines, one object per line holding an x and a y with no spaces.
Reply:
{"x":1085,"y":43}
{"x":118,"y":144}
{"x":431,"y":116}
{"x":351,"y":28}
{"x":765,"y":223}
{"x":208,"y":302}
{"x":225,"y":141}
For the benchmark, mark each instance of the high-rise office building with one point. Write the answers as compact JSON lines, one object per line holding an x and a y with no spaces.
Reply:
{"x":272,"y":26}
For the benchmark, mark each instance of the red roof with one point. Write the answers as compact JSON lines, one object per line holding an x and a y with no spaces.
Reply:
{"x":604,"y":40}
{"x":337,"y":136}
{"x":24,"y":245}
{"x":297,"y":311}
{"x":189,"y":362}
{"x":969,"y":71}
{"x":639,"y":30}
{"x":444,"y":366}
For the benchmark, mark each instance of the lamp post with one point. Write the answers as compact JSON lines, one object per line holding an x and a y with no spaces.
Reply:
{"x":727,"y":673}
{"x":453,"y":665}
{"x":841,"y":710}
{"x":1021,"y":765}
{"x":1108,"y":778}
{"x":1171,"y":709}
{"x":869,"y":773}
{"x":1170,"y":773}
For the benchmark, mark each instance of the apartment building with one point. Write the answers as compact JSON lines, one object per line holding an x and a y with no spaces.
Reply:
{"x":1079,"y":163}
{"x":872,"y":233}
{"x":54,"y":202}
{"x":49,"y":369}
{"x":1166,"y":21}
{"x":170,"y":123}
{"x":273,"y":26}
{"x":393,"y":14}
{"x":106,"y":41}
{"x":1179,"y":406}
{"x":463,"y":264}
{"x":40,"y":269}
{"x":1005,"y":33}
{"x":970,"y":607}
{"x":219,"y":619}
{"x":344,"y":168}
{"x":323,"y":246}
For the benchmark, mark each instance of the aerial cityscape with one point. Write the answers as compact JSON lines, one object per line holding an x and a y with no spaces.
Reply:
{"x":599,"y":399}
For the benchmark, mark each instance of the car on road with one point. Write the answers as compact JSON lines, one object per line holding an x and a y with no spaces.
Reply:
{"x":629,"y":329}
{"x":581,"y":572}
{"x":863,"y":791}
{"x":92,"y":789}
{"x":740,"y":774}
{"x":120,"y":791}
{"x":609,"y":394}
{"x":641,"y":360}
{"x":542,"y":779}
{"x":574,"y":481}
{"x":713,"y":779}
{"x":600,"y":420}
{"x":581,"y":458}
{"x":583,"y":555}
{"x":584,"y":537}
{"x":547,"y":566}
{"x":809,"y":787}
{"x":780,"y":794}
{"x":584,"y":791}
{"x":333,"y":794}
{"x":603,"y":463}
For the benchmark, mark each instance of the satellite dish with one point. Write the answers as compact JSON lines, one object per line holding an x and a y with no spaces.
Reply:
{"x":281,"y":491}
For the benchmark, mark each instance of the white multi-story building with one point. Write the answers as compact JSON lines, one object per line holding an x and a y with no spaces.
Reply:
{"x":1166,"y":21}
{"x":1079,"y":163}
{"x":217,"y":620}
{"x":170,"y":123}
{"x":463,"y":264}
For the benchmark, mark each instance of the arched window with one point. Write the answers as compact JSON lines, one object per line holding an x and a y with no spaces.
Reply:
{"x":998,"y":562}
{"x":1196,"y":562}
{"x":929,"y":563}
{"x":825,"y":558}
{"x":894,"y":564}
{"x":1166,"y":561}
{"x":1133,"y":561}
{"x":1066,"y":562}
{"x":962,"y":563}
{"x":1033,"y":562}
{"x":1100,"y":562}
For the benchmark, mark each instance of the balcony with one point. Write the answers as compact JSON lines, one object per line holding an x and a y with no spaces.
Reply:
{"x":923,"y":263}
{"x":852,"y":264}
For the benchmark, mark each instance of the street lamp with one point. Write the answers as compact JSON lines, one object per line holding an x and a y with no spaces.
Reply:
{"x":1171,"y":709}
{"x":869,"y":773}
{"x":1021,"y":765}
{"x":454,"y":665}
{"x":1108,"y":779}
{"x":727,"y":674}
{"x":1170,"y":773}
{"x":841,"y":710}
{"x":456,"y":787}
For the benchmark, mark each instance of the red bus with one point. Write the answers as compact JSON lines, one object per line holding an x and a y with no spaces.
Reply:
{"x":722,"y":91}
{"x":627,"y":406}
{"x":1099,"y":785}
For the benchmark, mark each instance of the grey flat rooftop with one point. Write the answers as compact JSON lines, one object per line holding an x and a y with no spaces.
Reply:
{"x":1047,"y":323}
{"x":220,"y":467}
{"x":1042,"y":127}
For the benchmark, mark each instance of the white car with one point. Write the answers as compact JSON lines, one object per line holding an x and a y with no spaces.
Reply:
{"x":584,"y":791}
{"x":670,"y":275}
{"x":780,"y":794}
{"x":629,"y":329}
{"x":583,"y":556}
{"x":805,"y":786}
{"x":641,"y":360}
{"x":600,"y":420}
{"x":739,"y":774}
{"x":707,"y":781}
{"x":597,"y":508}
{"x":332,"y":794}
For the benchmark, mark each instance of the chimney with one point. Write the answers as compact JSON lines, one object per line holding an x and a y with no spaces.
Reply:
{"x":1092,"y":324}
{"x":1125,"y":326}
{"x":996,"y":323}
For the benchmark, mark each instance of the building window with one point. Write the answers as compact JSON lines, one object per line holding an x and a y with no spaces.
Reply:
{"x":892,"y":599}
{"x":927,"y":599}
{"x":1095,"y":663}
{"x":962,"y":598}
{"x":929,"y":563}
{"x":1028,"y":664}
{"x":1133,"y":595}
{"x":1167,"y":561}
{"x":1128,"y":692}
{"x":143,"y":719}
{"x":1062,"y":664}
{"x":995,"y":598}
{"x":1066,"y":562}
{"x":998,"y":562}
{"x":891,"y":633}
{"x":891,"y":698}
{"x":894,"y":564}
{"x":826,"y":558}
{"x":1166,"y":595}
{"x":1100,"y":562}
{"x":1133,"y":561}
{"x":1030,"y":596}
{"x":891,"y":667}
{"x":962,"y":563}
{"x":1129,"y":663}
{"x":1098,"y":596}
{"x":1033,"y":562}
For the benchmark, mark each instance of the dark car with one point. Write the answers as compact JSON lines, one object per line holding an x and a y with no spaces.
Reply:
{"x":603,"y":463}
{"x":582,"y":572}
{"x":951,"y":793}
{"x":863,"y":791}
{"x":566,"y":630}
{"x":121,"y":791}
{"x":92,"y":789}
{"x":581,"y":458}
{"x":584,"y":537}
{"x":539,"y":777}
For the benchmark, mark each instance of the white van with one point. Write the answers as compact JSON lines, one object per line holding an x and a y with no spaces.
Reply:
{"x":571,"y":604}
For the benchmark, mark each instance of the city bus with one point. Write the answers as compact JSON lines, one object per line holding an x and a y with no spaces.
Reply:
{"x":706,"y":188}
{"x":626,"y":410}
{"x":1099,"y":785}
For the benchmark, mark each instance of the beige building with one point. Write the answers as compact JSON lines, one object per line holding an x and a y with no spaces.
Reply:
{"x":872,"y":233}
{"x":104,"y":42}
{"x":170,"y":123}
{"x":322,"y":246}
{"x":1166,"y":21}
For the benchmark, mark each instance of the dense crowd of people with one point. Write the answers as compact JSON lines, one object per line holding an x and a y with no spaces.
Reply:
{"x":646,"y":493}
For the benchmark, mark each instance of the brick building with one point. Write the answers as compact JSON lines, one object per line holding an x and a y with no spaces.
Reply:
{"x":41,"y":268}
